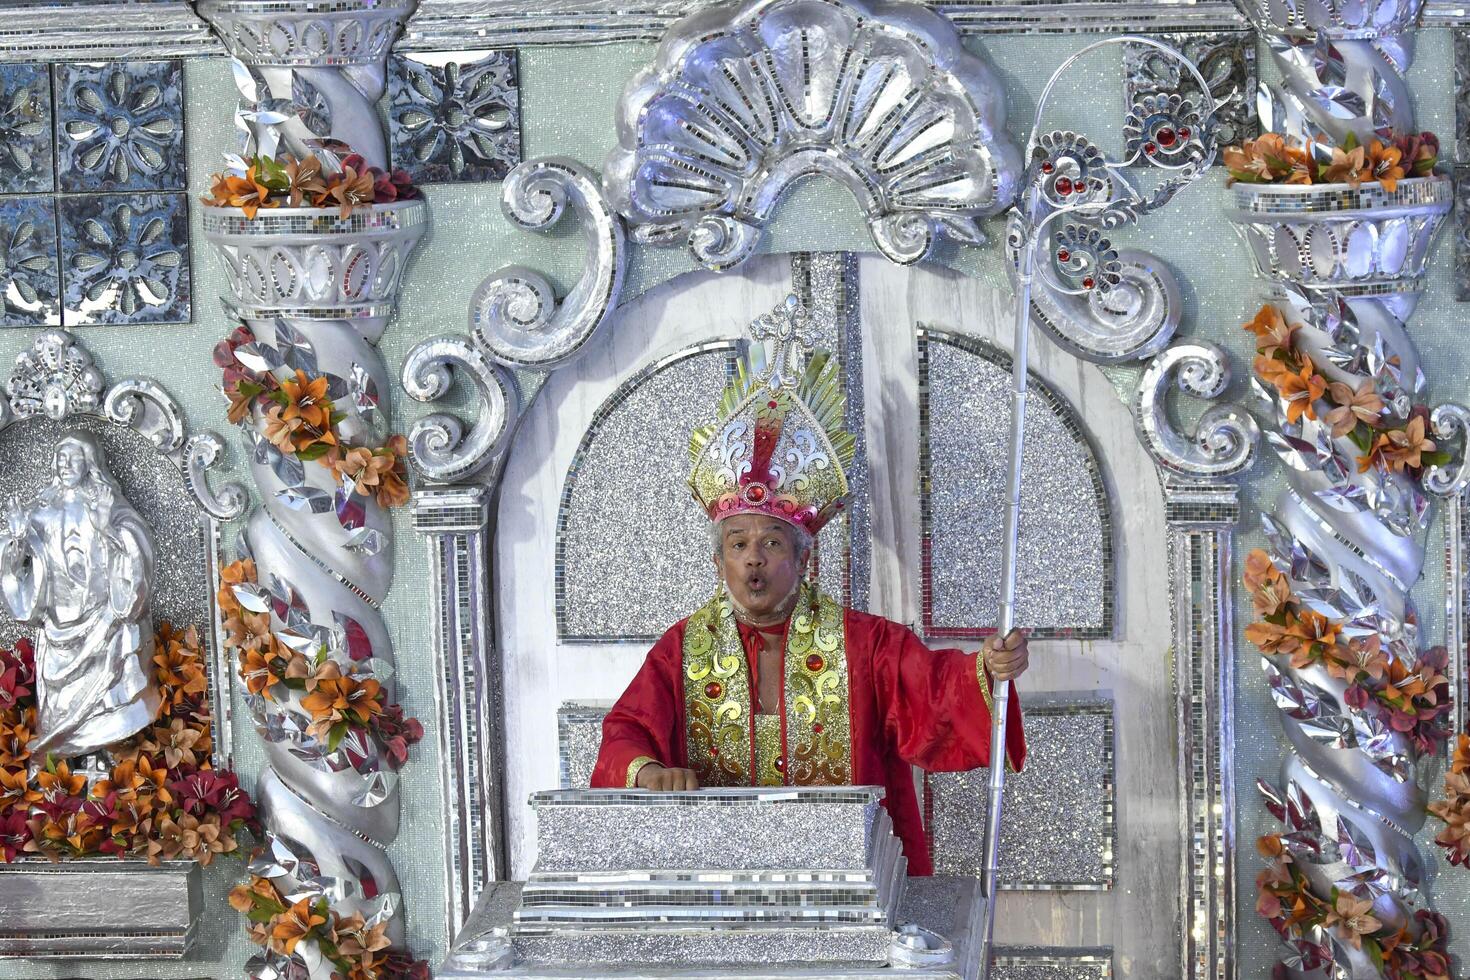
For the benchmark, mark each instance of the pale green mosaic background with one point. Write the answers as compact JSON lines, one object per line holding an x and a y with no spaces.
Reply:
{"x":568,"y":97}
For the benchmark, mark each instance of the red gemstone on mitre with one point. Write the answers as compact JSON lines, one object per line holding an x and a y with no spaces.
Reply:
{"x":713,"y":690}
{"x":1064,"y":185}
{"x":815,"y":663}
{"x":1166,"y":136}
{"x":713,"y":750}
{"x":755,"y":492}
{"x":781,"y":764}
{"x":770,"y":404}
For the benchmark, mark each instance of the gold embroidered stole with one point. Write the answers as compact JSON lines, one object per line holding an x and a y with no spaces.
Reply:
{"x":810,"y":742}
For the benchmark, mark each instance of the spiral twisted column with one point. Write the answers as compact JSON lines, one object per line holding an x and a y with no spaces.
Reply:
{"x":1347,"y":264}
{"x":313,"y":291}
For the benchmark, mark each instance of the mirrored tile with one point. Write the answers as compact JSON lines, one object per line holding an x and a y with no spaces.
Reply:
{"x":125,"y":258}
{"x":120,"y":126}
{"x":454,"y":116}
{"x":29,"y":282}
{"x":25,"y":129}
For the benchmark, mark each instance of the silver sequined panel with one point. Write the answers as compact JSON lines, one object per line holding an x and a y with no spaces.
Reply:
{"x":1059,"y":829}
{"x":1052,"y":965}
{"x":579,"y":736}
{"x":182,"y":579}
{"x":1065,"y":576}
{"x":627,"y":477}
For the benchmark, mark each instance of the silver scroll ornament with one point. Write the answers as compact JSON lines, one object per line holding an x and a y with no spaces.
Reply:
{"x":314,"y":292}
{"x":742,"y":100}
{"x":1347,"y":264}
{"x":76,"y":561}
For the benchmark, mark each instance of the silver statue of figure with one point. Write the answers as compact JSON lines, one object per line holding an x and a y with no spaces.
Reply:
{"x":77,"y":561}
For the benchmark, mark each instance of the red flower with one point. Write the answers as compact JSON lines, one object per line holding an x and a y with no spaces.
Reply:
{"x":14,"y":833}
{"x":398,"y":965}
{"x":403,"y":183}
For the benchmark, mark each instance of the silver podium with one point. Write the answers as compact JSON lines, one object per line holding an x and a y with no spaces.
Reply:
{"x":745,"y":882}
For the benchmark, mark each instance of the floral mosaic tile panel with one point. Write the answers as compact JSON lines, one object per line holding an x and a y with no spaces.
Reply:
{"x":25,"y":129}
{"x":125,"y":259}
{"x":30,"y":285}
{"x":120,"y":127}
{"x":454,"y":117}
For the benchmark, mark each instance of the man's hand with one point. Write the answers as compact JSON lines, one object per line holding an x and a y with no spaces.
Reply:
{"x":655,"y":776}
{"x":1009,"y":659}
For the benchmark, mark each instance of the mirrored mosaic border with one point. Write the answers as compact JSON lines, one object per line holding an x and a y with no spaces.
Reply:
{"x":1073,"y":423}
{"x":1048,"y":963}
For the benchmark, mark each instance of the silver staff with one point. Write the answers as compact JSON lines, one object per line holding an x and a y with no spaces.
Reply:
{"x":1067,"y":176}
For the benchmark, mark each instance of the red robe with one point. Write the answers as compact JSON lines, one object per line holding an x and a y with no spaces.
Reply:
{"x":908,"y":706}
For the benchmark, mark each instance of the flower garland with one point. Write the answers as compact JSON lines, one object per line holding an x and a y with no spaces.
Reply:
{"x":1270,"y":159}
{"x":1301,"y":918}
{"x":1360,"y":414}
{"x":357,"y":950}
{"x":340,"y":703}
{"x":1412,"y":700}
{"x":269,"y":182}
{"x":301,"y":420}
{"x":162,"y":800}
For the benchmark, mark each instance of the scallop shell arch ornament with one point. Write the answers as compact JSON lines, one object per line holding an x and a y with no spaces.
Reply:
{"x":744,"y":100}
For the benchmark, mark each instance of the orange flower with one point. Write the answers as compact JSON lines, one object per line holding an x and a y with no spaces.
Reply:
{"x":1271,"y":847}
{"x":14,"y":787}
{"x":1272,"y":331}
{"x":1271,"y":638}
{"x":304,"y":177}
{"x":180,"y":743}
{"x":1352,"y":918}
{"x":1268,"y":587}
{"x":1385,"y":164}
{"x":1405,"y":445}
{"x":357,"y":941}
{"x":1258,"y":161}
{"x":235,"y":573}
{"x":330,"y":698}
{"x":1272,"y":370}
{"x":1354,"y":405}
{"x":255,"y":671}
{"x":1313,"y":627}
{"x":246,"y":193}
{"x":377,"y":472}
{"x":1300,"y":390}
{"x":1347,"y":166}
{"x":351,"y":189}
{"x":306,"y":399}
{"x":293,"y":925}
{"x":55,"y":786}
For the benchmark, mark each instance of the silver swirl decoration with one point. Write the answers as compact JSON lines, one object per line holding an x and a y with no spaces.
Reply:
{"x":322,"y":543}
{"x":514,"y":313}
{"x":1346,"y":265}
{"x":1224,"y":439}
{"x":441,"y":448}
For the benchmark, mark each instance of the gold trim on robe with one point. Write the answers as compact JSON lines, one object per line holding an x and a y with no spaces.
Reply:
{"x":811,"y":743}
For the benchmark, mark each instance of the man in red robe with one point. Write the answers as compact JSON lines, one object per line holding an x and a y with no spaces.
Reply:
{"x":773,"y":683}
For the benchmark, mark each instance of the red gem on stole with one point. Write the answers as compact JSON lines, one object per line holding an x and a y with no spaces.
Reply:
{"x":815,"y":663}
{"x":817,"y":728}
{"x":781,"y":764}
{"x":713,"y":690}
{"x":713,"y":750}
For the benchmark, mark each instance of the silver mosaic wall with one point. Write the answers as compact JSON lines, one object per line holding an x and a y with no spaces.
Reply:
{"x":1059,"y":820}
{"x":113,"y":246}
{"x":1065,"y":580}
{"x":454,"y":116}
{"x":625,"y":500}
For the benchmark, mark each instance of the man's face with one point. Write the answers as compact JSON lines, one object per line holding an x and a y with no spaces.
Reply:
{"x":758,"y":562}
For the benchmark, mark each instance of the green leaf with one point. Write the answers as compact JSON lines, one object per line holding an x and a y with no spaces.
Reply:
{"x":272,"y":174}
{"x":1362,"y":437}
{"x":280,"y":398}
{"x":259,"y":915}
{"x":335,"y":736}
{"x":1350,"y":142}
{"x":312,"y":452}
{"x":1440,"y":457}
